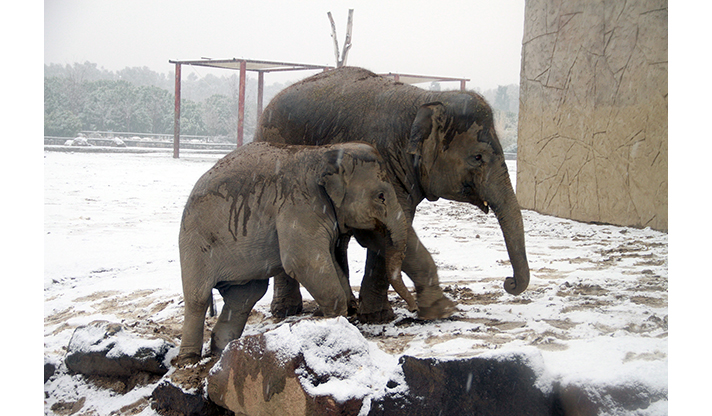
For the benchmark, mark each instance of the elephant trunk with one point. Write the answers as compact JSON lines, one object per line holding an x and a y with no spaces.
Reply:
{"x":397,"y":230}
{"x":509,"y":216}
{"x":395,"y":252}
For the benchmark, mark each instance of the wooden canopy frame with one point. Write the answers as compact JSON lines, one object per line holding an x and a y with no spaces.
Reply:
{"x":262,"y":67}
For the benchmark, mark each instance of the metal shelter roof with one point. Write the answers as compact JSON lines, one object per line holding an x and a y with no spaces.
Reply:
{"x":252,"y":65}
{"x":272,"y":66}
{"x":416,"y":79}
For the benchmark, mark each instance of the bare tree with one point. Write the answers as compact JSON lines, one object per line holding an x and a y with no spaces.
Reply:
{"x":347,"y":42}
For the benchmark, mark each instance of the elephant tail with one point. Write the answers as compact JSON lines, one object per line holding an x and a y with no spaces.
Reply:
{"x":211,"y":310}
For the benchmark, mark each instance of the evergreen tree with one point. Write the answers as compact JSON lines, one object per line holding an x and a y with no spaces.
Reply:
{"x":501,"y":99}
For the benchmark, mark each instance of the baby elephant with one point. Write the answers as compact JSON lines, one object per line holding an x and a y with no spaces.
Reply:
{"x":267,"y":208}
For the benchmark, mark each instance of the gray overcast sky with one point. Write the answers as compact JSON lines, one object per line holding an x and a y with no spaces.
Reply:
{"x":475,"y":39}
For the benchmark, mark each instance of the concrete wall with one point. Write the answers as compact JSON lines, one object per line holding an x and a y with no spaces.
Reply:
{"x":593,"y":111}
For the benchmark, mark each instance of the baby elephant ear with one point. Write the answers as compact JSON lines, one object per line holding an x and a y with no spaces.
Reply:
{"x":333,"y":179}
{"x":335,"y":188}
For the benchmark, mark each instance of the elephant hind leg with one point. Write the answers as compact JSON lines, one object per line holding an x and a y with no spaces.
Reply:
{"x":191,"y":345}
{"x":287,"y":300}
{"x":239,"y":301}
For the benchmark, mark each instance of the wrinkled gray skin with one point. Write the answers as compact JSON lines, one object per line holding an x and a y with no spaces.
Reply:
{"x":435,"y":145}
{"x":266,"y":209}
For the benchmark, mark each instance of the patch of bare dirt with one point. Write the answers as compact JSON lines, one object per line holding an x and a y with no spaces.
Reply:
{"x":568,"y":289}
{"x":549,"y":342}
{"x":565,"y":324}
{"x":645,"y":356}
{"x":134,"y":408}
{"x":132,"y":305}
{"x":654,"y":302}
{"x":393,"y":345}
{"x":68,"y":408}
{"x":192,"y":377}
{"x":97,"y":295}
{"x":123,"y":385}
{"x":548,"y":273}
{"x":63,"y":316}
{"x":465,"y":295}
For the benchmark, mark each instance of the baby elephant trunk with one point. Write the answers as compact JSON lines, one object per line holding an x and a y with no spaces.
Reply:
{"x":397,"y":232}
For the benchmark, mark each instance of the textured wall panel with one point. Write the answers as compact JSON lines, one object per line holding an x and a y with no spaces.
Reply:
{"x":593,"y":111}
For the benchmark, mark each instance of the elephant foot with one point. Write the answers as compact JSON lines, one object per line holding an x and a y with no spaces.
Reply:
{"x":440,"y":309}
{"x":352,"y":306}
{"x":215,"y":350}
{"x":182,"y":360}
{"x":378,"y":317}
{"x":282,"y":311}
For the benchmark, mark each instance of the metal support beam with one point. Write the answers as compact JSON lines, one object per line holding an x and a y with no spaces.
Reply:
{"x":462,"y":85}
{"x":260,"y":92}
{"x":176,"y":122}
{"x":241,"y":104}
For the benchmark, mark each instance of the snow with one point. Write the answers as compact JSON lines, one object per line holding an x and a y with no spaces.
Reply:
{"x":595,"y":312}
{"x":345,"y":364}
{"x":93,"y":338}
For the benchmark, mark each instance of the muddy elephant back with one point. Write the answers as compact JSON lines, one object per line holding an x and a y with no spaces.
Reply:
{"x":344,"y":105}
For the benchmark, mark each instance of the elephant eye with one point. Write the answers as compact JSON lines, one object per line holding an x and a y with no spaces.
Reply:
{"x":382,"y":197}
{"x":474,"y":160}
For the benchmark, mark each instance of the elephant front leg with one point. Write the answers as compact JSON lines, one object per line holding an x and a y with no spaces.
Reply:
{"x":342,"y":260}
{"x":418,"y":264}
{"x":287,"y":299}
{"x":373,"y":296}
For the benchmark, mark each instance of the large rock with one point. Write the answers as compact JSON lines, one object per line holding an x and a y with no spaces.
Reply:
{"x":322,"y":367}
{"x":182,"y":392}
{"x":492,"y":385}
{"x":104,"y":349}
{"x":170,"y":398}
{"x":326,"y":367}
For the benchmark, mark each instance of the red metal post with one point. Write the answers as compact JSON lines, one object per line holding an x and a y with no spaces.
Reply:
{"x":241,"y":103}
{"x":260,"y":92}
{"x":176,"y":122}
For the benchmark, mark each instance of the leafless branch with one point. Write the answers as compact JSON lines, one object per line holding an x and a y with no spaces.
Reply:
{"x":347,"y":42}
{"x":333,"y":35}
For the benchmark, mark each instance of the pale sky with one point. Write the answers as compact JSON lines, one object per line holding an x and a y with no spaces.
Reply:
{"x":475,"y":39}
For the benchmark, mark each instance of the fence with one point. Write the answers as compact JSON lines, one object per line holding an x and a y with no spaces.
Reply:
{"x":146,"y":140}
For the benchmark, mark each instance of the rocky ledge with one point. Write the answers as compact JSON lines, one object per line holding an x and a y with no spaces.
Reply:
{"x":326,"y":367}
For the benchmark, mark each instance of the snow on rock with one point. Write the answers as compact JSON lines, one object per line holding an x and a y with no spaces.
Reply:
{"x":116,"y":141}
{"x":77,"y":141}
{"x":317,"y":366}
{"x":339,"y":362}
{"x":105,"y":349}
{"x":326,"y":366}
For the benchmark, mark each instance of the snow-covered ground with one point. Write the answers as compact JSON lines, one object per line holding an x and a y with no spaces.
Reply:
{"x":595,"y":312}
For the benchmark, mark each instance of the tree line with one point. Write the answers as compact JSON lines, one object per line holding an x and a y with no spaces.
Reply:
{"x":83,"y":97}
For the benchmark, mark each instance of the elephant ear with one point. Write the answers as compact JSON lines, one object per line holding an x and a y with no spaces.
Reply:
{"x":453,"y":115}
{"x":332,"y":179}
{"x":429,"y":116}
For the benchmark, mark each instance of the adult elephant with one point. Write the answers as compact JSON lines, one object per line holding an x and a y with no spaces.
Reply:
{"x":435,"y":145}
